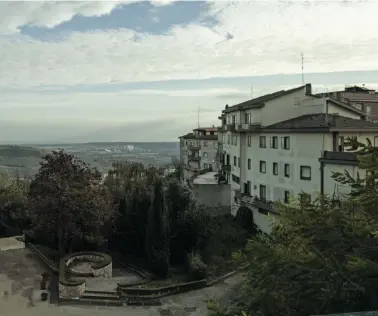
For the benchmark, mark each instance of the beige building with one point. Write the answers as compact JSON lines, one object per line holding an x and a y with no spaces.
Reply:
{"x":198,"y":151}
{"x":288,"y":143}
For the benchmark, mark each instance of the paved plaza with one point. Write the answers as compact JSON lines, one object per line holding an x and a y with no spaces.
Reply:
{"x":20,"y":277}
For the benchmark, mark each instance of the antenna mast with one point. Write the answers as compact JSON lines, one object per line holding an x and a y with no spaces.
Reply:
{"x":198,"y":114}
{"x":302,"y":69}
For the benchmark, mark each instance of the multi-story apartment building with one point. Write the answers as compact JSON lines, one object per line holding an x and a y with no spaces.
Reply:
{"x":287,"y":143}
{"x":360,"y":97}
{"x":198,"y":151}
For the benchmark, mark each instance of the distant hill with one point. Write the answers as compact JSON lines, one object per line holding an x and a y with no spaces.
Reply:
{"x":14,"y":151}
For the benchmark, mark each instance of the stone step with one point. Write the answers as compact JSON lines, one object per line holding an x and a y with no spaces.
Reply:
{"x":93,"y":296}
{"x":90,"y":301}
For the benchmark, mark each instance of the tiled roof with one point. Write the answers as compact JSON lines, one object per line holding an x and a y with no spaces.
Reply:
{"x":259,"y":102}
{"x":322,"y":121}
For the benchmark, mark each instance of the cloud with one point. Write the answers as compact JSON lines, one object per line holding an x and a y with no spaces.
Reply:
{"x":14,"y":15}
{"x":249,"y":38}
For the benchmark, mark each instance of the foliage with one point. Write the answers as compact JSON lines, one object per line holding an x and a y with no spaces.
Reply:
{"x":158,"y":232}
{"x":13,"y":202}
{"x":320,"y":258}
{"x":70,"y":205}
{"x":197,"y":268}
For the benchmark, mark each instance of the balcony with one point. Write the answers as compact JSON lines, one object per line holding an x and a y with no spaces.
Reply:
{"x":264,"y":204}
{"x":194,"y":158}
{"x":194,"y":147}
{"x":247,"y":127}
{"x":226,"y":168}
{"x":244,"y":198}
{"x":339,"y":158}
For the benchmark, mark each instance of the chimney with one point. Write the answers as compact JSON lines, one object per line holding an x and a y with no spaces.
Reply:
{"x":308,"y":89}
{"x":226,"y":107}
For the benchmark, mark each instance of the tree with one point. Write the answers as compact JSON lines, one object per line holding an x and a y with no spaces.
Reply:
{"x":70,"y":204}
{"x":157,"y":232}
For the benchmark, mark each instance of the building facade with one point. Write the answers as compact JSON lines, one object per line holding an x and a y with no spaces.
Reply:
{"x":198,"y":152}
{"x":287,"y":143}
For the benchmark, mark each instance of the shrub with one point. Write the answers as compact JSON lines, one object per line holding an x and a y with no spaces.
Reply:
{"x":197,"y":268}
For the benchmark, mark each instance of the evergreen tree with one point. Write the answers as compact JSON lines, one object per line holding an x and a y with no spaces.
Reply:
{"x":157,"y":233}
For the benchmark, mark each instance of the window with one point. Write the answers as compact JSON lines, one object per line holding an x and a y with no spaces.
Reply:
{"x":204,"y":155}
{"x":274,"y":142}
{"x":286,"y":196}
{"x":341,"y":143}
{"x":305,"y":173}
{"x":249,"y":141}
{"x":285,"y":142}
{"x":287,"y":170}
{"x":262,"y":166}
{"x":235,"y":179}
{"x":275,"y":168}
{"x":205,"y":144}
{"x":228,"y":139}
{"x":262,"y":192}
{"x":249,"y":164}
{"x":262,"y":141}
{"x":235,"y":142}
{"x":235,"y":161}
{"x":233,"y":120}
{"x":247,"y":118}
{"x":239,"y":162}
{"x":205,"y":166}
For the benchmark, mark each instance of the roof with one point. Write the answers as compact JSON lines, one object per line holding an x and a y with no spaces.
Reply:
{"x":356,"y":88}
{"x":207,"y":129}
{"x":204,"y":137}
{"x":345,"y":106}
{"x":260,"y":101}
{"x":321,"y":122}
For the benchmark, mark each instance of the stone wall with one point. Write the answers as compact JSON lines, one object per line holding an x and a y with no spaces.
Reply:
{"x":101,"y":265}
{"x":72,"y":291}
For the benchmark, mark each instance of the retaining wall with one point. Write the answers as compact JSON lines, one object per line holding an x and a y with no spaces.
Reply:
{"x":101,"y":265}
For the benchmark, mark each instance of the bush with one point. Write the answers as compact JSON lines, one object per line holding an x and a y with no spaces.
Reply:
{"x":197,"y":268}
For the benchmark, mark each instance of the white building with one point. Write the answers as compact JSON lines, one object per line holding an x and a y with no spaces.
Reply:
{"x":198,"y":151}
{"x":286,"y":143}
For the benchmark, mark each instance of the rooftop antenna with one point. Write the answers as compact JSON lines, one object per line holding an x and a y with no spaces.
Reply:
{"x":198,"y":115}
{"x":302,"y":68}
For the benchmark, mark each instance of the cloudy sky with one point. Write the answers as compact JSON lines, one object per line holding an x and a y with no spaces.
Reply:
{"x":138,"y":71}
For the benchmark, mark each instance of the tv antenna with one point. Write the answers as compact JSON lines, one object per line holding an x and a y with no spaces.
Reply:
{"x":198,"y":115}
{"x":302,"y":68}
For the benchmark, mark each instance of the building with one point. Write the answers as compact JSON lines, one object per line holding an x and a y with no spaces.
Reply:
{"x":198,"y":151}
{"x":360,"y":97}
{"x":287,"y":143}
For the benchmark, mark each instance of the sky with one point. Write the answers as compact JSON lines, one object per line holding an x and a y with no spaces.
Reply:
{"x":139,"y":71}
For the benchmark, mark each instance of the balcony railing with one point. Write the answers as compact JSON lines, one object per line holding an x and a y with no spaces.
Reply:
{"x":193,"y":147}
{"x":226,"y":168}
{"x":194,"y":158}
{"x":264,"y":204}
{"x":251,"y":126}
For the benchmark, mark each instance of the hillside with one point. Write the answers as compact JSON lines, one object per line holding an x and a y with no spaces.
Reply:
{"x":14,"y":151}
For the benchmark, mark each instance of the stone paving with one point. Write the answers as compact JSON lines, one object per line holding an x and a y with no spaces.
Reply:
{"x":20,"y":280}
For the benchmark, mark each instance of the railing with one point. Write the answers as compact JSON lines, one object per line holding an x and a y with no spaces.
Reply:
{"x":194,"y":158}
{"x":226,"y":168}
{"x":247,"y":126}
{"x":194,"y":147}
{"x":264,"y":204}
